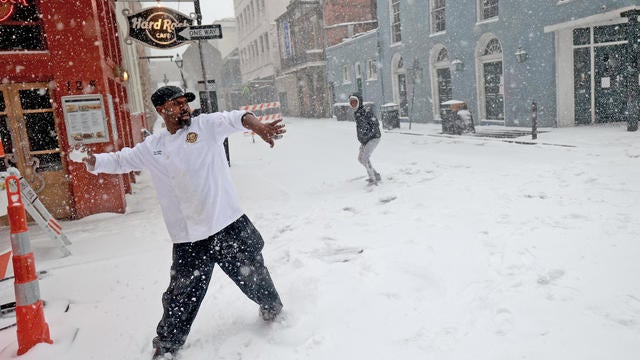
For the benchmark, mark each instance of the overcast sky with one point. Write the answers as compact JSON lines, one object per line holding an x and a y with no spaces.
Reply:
{"x":211,"y":10}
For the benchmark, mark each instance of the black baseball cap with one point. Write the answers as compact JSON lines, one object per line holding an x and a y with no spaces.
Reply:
{"x":166,"y":93}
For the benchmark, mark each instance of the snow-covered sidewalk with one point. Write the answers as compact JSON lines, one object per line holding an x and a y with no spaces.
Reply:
{"x":470,"y":248}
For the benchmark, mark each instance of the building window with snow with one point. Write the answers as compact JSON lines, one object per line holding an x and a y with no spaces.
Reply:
{"x":359,"y":85}
{"x":396,"y":31}
{"x":21,"y":27}
{"x":438,"y":22}
{"x":488,"y":9}
{"x":372,"y":70}
{"x":346,"y":75}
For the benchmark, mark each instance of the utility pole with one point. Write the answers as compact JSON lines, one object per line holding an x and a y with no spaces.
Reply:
{"x":196,"y":6}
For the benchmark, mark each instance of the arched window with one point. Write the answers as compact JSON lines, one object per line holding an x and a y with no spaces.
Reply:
{"x":399,"y":77}
{"x":440,"y":78}
{"x":493,"y":48}
{"x":443,"y":56}
{"x":490,"y":79}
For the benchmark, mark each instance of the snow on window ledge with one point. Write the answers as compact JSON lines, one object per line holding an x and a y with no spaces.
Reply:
{"x":488,"y":21}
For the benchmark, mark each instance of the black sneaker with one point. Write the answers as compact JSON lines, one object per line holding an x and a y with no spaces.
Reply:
{"x":270,"y":313}
{"x":163,"y":354}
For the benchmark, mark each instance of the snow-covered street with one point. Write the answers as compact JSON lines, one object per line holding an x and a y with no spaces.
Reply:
{"x":470,"y":248}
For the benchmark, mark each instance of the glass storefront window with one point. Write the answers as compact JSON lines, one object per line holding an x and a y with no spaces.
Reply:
{"x":610,"y":33}
{"x":21,"y":27}
{"x":582,"y":36}
{"x":35,"y":99}
{"x":41,"y":131}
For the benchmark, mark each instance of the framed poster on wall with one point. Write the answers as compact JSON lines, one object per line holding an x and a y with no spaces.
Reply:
{"x":85,"y":119}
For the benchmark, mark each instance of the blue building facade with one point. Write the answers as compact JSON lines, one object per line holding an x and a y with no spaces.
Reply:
{"x":499,"y":57}
{"x":352,"y":66}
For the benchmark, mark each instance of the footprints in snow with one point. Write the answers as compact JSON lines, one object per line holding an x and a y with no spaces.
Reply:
{"x":336,"y":254}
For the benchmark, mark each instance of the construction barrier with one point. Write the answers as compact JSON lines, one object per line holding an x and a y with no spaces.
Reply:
{"x":32,"y":327}
{"x":265,"y":112}
{"x":39,"y":213}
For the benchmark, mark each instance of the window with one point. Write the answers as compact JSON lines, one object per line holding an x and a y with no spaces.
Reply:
{"x":21,"y":26}
{"x":441,"y":81}
{"x":443,"y":56}
{"x":493,"y":48}
{"x":346,"y":76}
{"x":396,"y":35}
{"x":372,"y":70}
{"x":488,"y":9}
{"x":438,"y":22}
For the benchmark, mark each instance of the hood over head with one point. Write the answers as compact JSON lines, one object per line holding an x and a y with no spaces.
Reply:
{"x":356,"y":96}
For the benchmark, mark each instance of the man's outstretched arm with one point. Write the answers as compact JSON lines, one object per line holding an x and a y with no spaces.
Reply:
{"x":267,"y":131}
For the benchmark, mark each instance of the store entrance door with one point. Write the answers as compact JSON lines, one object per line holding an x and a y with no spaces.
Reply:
{"x":610,"y":85}
{"x":30,"y":142}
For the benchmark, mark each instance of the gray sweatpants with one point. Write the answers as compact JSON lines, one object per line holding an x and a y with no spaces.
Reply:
{"x":364,"y":157}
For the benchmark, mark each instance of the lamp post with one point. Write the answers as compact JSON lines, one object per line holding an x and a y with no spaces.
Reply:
{"x":632,"y":72}
{"x":180,"y":63}
{"x":521,"y":55}
{"x":457,"y":64}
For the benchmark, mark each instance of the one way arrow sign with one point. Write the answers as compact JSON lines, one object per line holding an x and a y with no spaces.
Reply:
{"x":199,"y":32}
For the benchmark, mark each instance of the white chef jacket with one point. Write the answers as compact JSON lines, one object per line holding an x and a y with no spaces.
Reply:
{"x":190,"y":173}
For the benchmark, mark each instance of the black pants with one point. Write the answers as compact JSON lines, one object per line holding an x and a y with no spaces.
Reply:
{"x":237,"y":250}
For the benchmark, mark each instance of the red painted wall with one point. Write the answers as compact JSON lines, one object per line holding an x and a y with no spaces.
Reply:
{"x":82,"y":53}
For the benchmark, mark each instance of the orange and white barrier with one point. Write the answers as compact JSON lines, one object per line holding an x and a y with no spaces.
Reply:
{"x":39,"y":212}
{"x":259,"y":109}
{"x":263,"y":106}
{"x":32,"y":327}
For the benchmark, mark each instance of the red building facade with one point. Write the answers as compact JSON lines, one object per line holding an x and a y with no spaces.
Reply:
{"x":51,"y":51}
{"x":344,"y":19}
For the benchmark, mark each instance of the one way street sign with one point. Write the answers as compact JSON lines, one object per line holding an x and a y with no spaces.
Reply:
{"x":199,"y":32}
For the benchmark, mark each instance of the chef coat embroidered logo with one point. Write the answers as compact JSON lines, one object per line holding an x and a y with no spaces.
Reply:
{"x":192,"y":137}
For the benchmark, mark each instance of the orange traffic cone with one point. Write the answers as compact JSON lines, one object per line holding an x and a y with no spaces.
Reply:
{"x":32,"y":328}
{"x":4,"y":262}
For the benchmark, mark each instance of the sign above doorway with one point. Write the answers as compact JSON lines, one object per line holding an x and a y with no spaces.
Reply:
{"x":156,"y":27}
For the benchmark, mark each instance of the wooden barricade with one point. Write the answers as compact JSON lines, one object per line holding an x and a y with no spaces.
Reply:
{"x":265,"y":112}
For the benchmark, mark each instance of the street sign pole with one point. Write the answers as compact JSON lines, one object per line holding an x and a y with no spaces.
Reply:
{"x":199,"y":32}
{"x":196,"y":6}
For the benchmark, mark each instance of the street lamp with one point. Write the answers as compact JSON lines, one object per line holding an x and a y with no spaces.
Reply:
{"x":180,"y":63}
{"x":457,"y":64}
{"x":521,"y":55}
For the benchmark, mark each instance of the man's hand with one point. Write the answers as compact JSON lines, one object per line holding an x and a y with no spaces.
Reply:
{"x":267,"y":131}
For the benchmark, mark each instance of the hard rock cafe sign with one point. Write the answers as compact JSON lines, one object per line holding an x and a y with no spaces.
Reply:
{"x":7,"y":7}
{"x":156,"y":27}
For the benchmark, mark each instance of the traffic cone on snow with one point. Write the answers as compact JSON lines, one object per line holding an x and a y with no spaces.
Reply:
{"x":5,"y":256}
{"x":32,"y":328}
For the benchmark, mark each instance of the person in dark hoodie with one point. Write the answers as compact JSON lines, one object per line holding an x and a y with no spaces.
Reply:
{"x":368,"y":131}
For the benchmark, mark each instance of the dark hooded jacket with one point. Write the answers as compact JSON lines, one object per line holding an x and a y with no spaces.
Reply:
{"x":367,"y":125}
